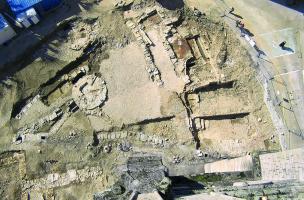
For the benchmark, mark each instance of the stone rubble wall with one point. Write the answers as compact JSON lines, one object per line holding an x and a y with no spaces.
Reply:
{"x":138,"y":136}
{"x":32,"y":128}
{"x":272,"y":190}
{"x":144,"y":41}
{"x":29,"y":133}
{"x":17,"y":157}
{"x":58,"y":180}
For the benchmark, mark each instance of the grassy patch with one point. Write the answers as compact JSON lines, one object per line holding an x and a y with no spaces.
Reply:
{"x":207,"y":178}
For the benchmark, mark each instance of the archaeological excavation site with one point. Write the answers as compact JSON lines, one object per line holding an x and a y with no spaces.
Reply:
{"x":137,"y":99}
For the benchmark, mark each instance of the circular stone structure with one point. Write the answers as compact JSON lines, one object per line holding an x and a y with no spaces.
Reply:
{"x":89,"y":92}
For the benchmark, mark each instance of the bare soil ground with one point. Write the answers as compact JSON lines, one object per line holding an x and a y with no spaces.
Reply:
{"x":132,"y":96}
{"x":151,"y":117}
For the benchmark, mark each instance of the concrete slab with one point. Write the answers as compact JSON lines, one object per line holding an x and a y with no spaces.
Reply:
{"x":241,"y":164}
{"x":274,"y":38}
{"x":211,"y":196}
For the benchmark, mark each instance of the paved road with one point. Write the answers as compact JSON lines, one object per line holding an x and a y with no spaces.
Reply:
{"x":271,"y":23}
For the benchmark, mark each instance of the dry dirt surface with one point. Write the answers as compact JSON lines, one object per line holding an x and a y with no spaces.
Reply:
{"x":175,"y":82}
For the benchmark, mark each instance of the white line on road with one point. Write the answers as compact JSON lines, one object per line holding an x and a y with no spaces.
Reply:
{"x":289,"y":72}
{"x":271,"y":32}
{"x":285,"y":54}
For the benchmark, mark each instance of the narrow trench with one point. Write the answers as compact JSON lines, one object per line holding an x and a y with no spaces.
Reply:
{"x":49,"y":86}
{"x":191,"y":48}
{"x":19,"y":105}
{"x":195,"y":41}
{"x":206,"y":88}
{"x":184,"y":99}
{"x":190,"y":63}
{"x":69,"y":67}
{"x":200,"y":48}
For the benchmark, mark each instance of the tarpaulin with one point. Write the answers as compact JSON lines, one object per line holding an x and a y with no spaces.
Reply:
{"x":18,"y":6}
{"x":3,"y":22}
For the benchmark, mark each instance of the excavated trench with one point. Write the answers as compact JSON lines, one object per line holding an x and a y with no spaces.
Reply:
{"x":184,"y":99}
{"x":56,"y":81}
{"x":19,"y":105}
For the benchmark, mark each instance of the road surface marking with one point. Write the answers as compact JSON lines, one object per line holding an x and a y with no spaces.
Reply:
{"x":286,"y":54}
{"x":289,"y":72}
{"x":271,"y":32}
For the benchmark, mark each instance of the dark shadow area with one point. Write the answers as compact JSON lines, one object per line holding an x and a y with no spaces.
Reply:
{"x":225,"y":117}
{"x":297,"y":5}
{"x":259,"y":51}
{"x":215,"y":86}
{"x":288,"y":49}
{"x":284,"y":107}
{"x":261,"y":54}
{"x":247,"y":31}
{"x":171,"y":4}
{"x":155,"y":120}
{"x":183,"y":186}
{"x":22,"y":49}
{"x":190,"y":63}
{"x":18,"y":106}
{"x":236,"y":15}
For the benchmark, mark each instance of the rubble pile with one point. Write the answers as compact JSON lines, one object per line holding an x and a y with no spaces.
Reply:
{"x":141,"y":174}
{"x":33,"y":128}
{"x":76,"y":73}
{"x":9,"y":158}
{"x":90,"y":92}
{"x":83,"y":33}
